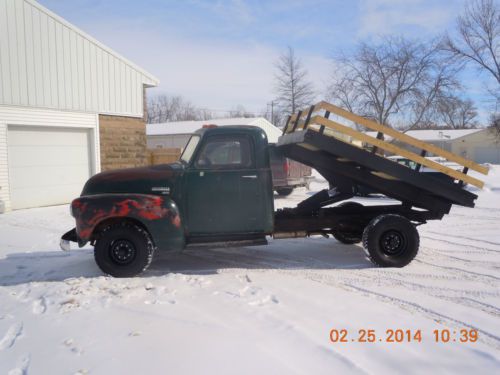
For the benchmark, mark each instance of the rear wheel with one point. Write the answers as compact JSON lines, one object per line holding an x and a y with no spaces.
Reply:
{"x":284,"y":191}
{"x":391,"y":241}
{"x":123,"y":250}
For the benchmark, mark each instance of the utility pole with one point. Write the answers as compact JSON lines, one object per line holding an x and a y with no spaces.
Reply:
{"x":272,"y":110}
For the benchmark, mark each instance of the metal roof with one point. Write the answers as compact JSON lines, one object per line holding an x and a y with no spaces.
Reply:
{"x":436,"y":134}
{"x":189,"y":127}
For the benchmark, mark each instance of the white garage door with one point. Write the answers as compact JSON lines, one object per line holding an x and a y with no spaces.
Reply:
{"x":47,"y":165}
{"x":487,"y":155}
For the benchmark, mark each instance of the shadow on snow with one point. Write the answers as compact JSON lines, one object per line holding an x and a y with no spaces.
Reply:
{"x":315,"y":253}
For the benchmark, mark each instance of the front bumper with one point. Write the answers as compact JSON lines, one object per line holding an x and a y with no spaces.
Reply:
{"x":68,"y":237}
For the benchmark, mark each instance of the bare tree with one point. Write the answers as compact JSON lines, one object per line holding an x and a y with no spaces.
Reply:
{"x":456,"y":113}
{"x":395,"y":82}
{"x":204,"y":114}
{"x":495,"y":125}
{"x":240,"y":111}
{"x":478,"y":43}
{"x":478,"y":40}
{"x":294,"y":89}
{"x":164,"y":108}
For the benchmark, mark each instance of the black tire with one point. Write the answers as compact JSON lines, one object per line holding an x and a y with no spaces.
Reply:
{"x":391,"y":241}
{"x":285,"y":191}
{"x":349,"y":238}
{"x":123,"y":250}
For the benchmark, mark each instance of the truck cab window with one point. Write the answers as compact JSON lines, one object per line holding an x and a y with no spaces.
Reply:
{"x":224,"y":152}
{"x":189,"y":149}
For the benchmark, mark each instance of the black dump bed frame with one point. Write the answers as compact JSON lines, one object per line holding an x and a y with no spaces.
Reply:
{"x":346,"y":157}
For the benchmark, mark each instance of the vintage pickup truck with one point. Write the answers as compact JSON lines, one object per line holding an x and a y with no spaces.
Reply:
{"x":220,"y":191}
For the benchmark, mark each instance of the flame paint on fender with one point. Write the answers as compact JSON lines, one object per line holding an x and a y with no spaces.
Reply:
{"x":90,"y":211}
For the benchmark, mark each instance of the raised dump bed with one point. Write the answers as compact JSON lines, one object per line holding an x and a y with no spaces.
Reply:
{"x":346,"y":156}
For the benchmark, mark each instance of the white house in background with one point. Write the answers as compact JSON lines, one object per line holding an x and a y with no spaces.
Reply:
{"x":64,"y":96}
{"x":480,"y":145}
{"x":176,"y":134}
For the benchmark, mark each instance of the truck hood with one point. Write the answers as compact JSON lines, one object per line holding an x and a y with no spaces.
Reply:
{"x":157,"y":179}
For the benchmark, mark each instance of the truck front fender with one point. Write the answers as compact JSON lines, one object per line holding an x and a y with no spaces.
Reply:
{"x":158,"y":214}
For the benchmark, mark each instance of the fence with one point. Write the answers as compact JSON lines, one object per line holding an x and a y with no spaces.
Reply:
{"x":163,"y":155}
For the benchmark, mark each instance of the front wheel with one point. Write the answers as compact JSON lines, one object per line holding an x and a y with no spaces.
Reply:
{"x":391,"y":241}
{"x":123,"y":250}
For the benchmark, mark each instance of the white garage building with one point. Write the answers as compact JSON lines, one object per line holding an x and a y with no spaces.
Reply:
{"x":56,"y":83}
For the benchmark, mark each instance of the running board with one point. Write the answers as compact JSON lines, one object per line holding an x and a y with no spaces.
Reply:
{"x":241,"y":243}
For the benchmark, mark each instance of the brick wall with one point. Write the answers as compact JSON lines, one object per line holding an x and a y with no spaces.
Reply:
{"x":123,"y":141}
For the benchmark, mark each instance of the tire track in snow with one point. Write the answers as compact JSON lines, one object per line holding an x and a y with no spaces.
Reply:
{"x":486,"y":337}
{"x":431,"y":290}
{"x":467,"y":262}
{"x":251,"y":261}
{"x":264,"y":261}
{"x":338,"y":280}
{"x":232,"y":258}
{"x":459,"y":244}
{"x":10,"y":337}
{"x":467,"y":238}
{"x":470,"y":302}
{"x":457,"y":296}
{"x":300,"y":266}
{"x":443,"y":256}
{"x":482,"y":277}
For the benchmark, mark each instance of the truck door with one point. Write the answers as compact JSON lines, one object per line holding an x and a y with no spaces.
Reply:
{"x":224,"y":194}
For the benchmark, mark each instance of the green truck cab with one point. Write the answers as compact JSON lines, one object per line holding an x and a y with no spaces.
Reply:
{"x":219,"y":191}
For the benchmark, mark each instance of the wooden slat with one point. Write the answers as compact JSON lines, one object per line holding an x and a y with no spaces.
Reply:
{"x":396,"y":150}
{"x":402,"y":137}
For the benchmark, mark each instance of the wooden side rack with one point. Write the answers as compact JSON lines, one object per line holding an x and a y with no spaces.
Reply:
{"x":311,"y":120}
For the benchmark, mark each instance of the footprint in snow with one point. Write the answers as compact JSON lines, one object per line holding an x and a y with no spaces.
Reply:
{"x":70,"y":344}
{"x":198,"y":281}
{"x":249,"y":290}
{"x":244,"y":278}
{"x":22,"y":368}
{"x":160,"y":302}
{"x":264,"y":301}
{"x":39,"y":306}
{"x":69,"y":305}
{"x":10,"y":337}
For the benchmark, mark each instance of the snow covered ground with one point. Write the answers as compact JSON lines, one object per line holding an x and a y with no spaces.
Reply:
{"x":264,"y":309}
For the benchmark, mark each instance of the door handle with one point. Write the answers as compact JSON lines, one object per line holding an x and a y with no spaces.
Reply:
{"x":250,"y":176}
